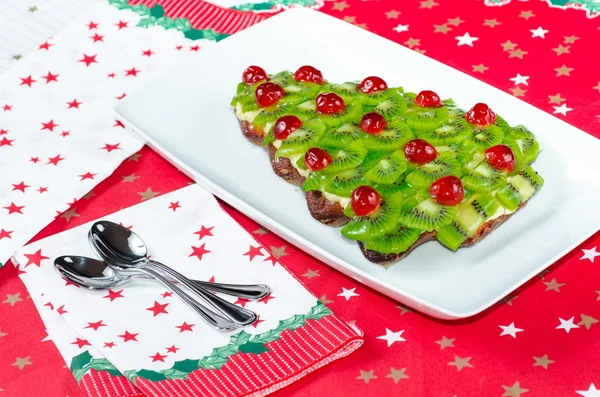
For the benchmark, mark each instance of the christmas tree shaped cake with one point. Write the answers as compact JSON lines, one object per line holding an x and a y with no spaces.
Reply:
{"x":395,"y":169}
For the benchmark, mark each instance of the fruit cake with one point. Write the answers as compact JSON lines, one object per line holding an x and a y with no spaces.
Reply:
{"x":394,"y":168}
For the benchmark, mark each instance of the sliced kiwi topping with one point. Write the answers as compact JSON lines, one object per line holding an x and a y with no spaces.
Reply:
{"x":485,"y":138}
{"x":395,"y":136}
{"x":447,"y":134}
{"x":358,"y":158}
{"x":349,"y":157}
{"x":302,"y":139}
{"x":426,"y":215}
{"x":343,"y":183}
{"x":376,"y":224}
{"x":395,"y":242}
{"x":388,"y":169}
{"x":341,"y":137}
{"x":423,"y":119}
{"x":484,"y":178}
{"x":471,"y":215}
{"x":443,"y":165}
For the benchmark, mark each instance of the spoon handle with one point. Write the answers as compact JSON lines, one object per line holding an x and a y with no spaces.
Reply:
{"x":237,"y":314}
{"x":213,"y":319}
{"x":248,"y":291}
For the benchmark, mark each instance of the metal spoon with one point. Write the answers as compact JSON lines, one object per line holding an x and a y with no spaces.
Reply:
{"x":93,"y":274}
{"x":123,"y":248}
{"x":93,"y":269}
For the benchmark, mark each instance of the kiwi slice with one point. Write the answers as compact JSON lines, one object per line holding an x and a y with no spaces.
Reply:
{"x":470,"y":155}
{"x":395,"y":242}
{"x":376,"y":98}
{"x":346,"y":158}
{"x":302,"y":139}
{"x":485,"y":138}
{"x":343,"y":183}
{"x":348,"y":91}
{"x":305,"y":110}
{"x":352,"y":114}
{"x":424,"y":119}
{"x":504,"y":126}
{"x":249,"y":105}
{"x":315,"y":181}
{"x":376,"y":224}
{"x":390,"y":106}
{"x":300,"y":163}
{"x":426,"y":215}
{"x":395,"y":136}
{"x":484,"y":178}
{"x":269,"y":115}
{"x":526,"y":141}
{"x":520,"y":188}
{"x":299,"y":92}
{"x":424,"y":175}
{"x":388,"y":169}
{"x":447,"y":134}
{"x":386,"y":190}
{"x":471,"y":215}
{"x":282,"y":78}
{"x":516,"y":149}
{"x":341,"y":137}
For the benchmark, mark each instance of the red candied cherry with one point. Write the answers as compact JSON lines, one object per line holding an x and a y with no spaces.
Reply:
{"x":501,"y":157}
{"x":428,"y":99}
{"x":420,"y":152}
{"x":268,"y":94}
{"x":365,"y":200}
{"x":372,"y":84}
{"x":254,"y":74}
{"x":317,"y":159}
{"x":330,"y":103}
{"x":373,"y":123}
{"x":481,"y":115}
{"x":447,"y":191}
{"x":309,"y":74}
{"x":285,"y":125}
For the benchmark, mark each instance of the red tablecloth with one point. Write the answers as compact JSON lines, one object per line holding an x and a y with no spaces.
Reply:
{"x":542,"y":340}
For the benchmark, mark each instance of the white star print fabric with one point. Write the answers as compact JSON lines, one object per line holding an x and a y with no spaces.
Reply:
{"x":58,"y":134}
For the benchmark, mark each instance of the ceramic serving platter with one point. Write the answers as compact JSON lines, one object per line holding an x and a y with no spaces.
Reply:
{"x":185,"y":116}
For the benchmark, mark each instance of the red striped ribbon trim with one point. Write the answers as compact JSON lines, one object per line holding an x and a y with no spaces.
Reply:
{"x":204,"y":15}
{"x":294,"y":355}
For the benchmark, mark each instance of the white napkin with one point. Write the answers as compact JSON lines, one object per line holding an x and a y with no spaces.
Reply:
{"x":147,"y":333}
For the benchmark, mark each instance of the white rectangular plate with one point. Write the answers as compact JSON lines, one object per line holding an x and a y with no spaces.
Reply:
{"x":185,"y":115}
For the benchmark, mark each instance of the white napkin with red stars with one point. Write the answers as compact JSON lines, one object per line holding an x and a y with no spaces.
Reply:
{"x":58,"y":134}
{"x":142,"y":333}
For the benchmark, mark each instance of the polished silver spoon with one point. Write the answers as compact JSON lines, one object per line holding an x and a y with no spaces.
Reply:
{"x":93,"y":269}
{"x":123,"y":248}
{"x":94,"y":274}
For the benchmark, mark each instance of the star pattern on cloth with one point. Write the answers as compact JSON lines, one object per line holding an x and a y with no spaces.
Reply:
{"x":513,"y":391}
{"x":592,"y":391}
{"x":461,"y":362}
{"x":367,"y":376}
{"x":397,"y":374}
{"x":543,"y":361}
{"x":348,"y":293}
{"x":567,"y":325}
{"x":392,"y":337}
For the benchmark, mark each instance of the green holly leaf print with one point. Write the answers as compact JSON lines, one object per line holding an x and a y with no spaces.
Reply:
{"x":141,"y":10}
{"x":79,"y":365}
{"x":120,"y":4}
{"x":186,"y":365}
{"x":150,"y":375}
{"x":102,"y":364}
{"x":175,"y":374}
{"x":254,"y":348}
{"x":165,"y":22}
{"x":157,"y":11}
{"x":182,"y":24}
{"x":253,"y":7}
{"x":146,"y":22}
{"x":194,"y":34}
